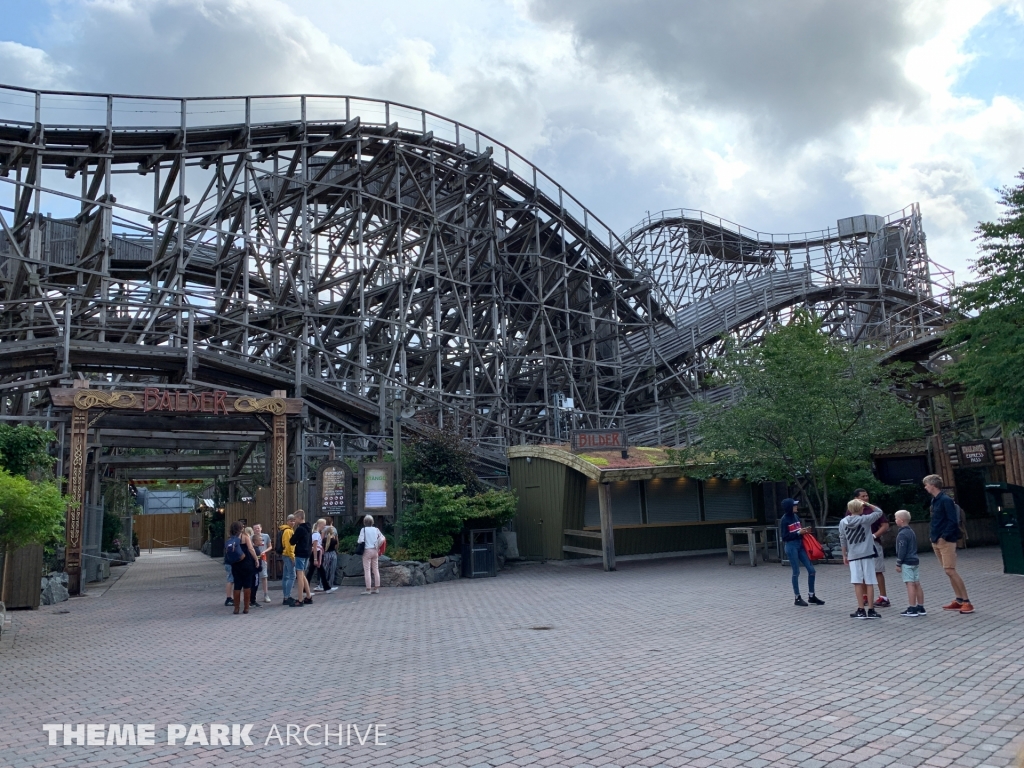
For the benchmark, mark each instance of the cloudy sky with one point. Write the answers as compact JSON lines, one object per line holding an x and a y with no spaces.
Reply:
{"x":782,"y":116}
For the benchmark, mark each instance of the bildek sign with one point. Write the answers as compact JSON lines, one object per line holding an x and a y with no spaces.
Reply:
{"x":599,"y":440}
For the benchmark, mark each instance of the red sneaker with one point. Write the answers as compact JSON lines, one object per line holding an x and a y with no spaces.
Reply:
{"x":880,"y":603}
{"x":954,"y":606}
{"x":966,"y":607}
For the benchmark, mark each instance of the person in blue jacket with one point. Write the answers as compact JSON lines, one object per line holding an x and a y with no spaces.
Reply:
{"x":945,"y":531}
{"x":792,"y":532}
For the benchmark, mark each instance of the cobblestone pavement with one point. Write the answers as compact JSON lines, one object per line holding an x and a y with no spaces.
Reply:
{"x":685,"y":662}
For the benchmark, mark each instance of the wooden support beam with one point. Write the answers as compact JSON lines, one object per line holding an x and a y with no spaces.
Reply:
{"x":604,"y":499}
{"x":171,"y":474}
{"x":584,"y":534}
{"x":175,"y":462}
{"x":583,"y":551}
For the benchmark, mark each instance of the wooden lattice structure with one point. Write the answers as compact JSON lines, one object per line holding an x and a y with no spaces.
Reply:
{"x":371,"y":259}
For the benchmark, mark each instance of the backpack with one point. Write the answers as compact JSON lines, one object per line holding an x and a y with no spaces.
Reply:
{"x":279,"y":545}
{"x":233,"y":550}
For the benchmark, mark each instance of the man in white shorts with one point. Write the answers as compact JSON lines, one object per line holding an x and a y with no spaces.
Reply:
{"x":859,"y":553}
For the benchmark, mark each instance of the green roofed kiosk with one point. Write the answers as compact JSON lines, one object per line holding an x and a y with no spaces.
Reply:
{"x":632,"y":502}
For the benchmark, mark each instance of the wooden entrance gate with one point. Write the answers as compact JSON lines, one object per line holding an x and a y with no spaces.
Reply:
{"x":213,"y":411}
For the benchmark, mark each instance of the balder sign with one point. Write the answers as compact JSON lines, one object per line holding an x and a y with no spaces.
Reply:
{"x":599,"y":440}
{"x":215,"y":402}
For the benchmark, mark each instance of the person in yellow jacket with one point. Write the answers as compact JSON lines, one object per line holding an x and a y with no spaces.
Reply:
{"x":287,"y":559}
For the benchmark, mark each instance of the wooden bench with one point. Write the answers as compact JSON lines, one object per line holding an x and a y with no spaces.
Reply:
{"x":582,"y":550}
{"x":757,"y":538}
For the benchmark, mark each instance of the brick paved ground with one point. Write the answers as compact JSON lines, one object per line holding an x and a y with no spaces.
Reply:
{"x":664,"y":663}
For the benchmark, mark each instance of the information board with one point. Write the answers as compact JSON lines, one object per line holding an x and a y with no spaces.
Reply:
{"x":376,"y":488}
{"x":334,"y":480}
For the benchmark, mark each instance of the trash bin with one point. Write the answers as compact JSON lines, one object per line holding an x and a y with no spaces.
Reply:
{"x":478,"y":559}
{"x":1006,"y":503}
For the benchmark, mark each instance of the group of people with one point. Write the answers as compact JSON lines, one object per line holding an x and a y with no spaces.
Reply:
{"x":308,"y":553}
{"x":860,"y":535}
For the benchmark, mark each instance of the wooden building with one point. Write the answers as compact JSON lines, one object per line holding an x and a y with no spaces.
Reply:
{"x":653,"y":507}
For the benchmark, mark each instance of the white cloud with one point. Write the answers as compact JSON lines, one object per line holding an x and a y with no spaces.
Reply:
{"x":782,"y":134}
{"x":29,"y":67}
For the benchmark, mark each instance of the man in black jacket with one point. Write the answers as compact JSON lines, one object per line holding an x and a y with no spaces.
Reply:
{"x":945,"y":530}
{"x":302,"y":541}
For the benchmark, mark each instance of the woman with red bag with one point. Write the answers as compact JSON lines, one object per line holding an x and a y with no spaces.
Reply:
{"x":792,"y":532}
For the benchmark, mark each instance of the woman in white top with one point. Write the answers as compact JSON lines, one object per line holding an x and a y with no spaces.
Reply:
{"x":372,"y":538}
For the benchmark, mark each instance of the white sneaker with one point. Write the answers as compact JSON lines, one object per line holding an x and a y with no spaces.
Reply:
{"x":334,"y":589}
{"x":366,"y":592}
{"x":318,"y":589}
{"x":375,"y":591}
{"x":266,"y":598}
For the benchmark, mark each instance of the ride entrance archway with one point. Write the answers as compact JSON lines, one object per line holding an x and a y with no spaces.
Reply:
{"x":205,"y":418}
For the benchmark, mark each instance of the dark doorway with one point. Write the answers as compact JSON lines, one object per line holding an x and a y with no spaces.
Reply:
{"x":970,"y":491}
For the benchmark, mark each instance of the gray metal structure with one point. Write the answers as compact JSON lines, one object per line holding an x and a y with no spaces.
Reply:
{"x":371,"y":257}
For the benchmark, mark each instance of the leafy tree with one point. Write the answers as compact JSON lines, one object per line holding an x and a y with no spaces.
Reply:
{"x":912,"y":498}
{"x":989,"y":343}
{"x":810,"y":410}
{"x":30,"y":512}
{"x":24,"y":449}
{"x":440,"y":457}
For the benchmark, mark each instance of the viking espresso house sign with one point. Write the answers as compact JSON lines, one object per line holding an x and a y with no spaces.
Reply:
{"x":599,"y":440}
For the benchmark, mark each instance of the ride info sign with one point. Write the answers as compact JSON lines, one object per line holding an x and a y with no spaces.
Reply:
{"x":376,"y":488}
{"x":334,"y":480}
{"x":584,"y":440}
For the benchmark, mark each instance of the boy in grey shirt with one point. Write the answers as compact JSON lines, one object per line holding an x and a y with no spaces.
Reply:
{"x":859,"y":553}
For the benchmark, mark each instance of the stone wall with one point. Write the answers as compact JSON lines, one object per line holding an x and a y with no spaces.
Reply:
{"x":400,"y":573}
{"x":412,"y":573}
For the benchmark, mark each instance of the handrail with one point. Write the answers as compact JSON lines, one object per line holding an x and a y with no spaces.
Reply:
{"x":390,"y":109}
{"x":168,"y":543}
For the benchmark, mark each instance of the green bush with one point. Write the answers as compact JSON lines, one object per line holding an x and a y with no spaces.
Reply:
{"x":30,"y":512}
{"x":497,"y":505}
{"x":111,"y":531}
{"x":432,"y":522}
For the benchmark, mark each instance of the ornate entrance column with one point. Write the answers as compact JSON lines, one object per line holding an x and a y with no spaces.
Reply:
{"x":279,"y":463}
{"x":76,"y":495}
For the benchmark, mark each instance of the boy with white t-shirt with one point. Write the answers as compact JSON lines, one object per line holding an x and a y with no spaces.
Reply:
{"x":859,"y":553}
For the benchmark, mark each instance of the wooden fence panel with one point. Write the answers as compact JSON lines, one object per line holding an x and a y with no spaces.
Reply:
{"x":23,"y":568}
{"x":261,"y":509}
{"x":165,"y":530}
